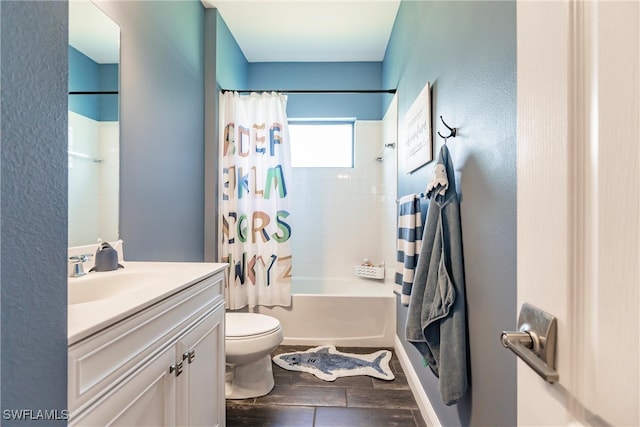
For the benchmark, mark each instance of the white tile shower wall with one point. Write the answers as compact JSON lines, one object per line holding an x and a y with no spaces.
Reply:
{"x":337,"y":212}
{"x":390,"y":189}
{"x":83,"y":180}
{"x":109,"y":149}
{"x":93,"y":187}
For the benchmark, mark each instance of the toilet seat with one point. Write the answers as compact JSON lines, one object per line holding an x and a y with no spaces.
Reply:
{"x":241,"y":326}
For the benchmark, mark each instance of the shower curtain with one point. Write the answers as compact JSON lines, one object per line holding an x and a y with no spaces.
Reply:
{"x":255,"y":166}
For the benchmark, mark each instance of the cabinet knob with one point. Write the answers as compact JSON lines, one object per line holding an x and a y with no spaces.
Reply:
{"x":177,"y":368}
{"x":189,"y":355}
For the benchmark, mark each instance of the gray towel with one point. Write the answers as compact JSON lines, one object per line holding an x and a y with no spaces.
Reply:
{"x":436,"y":320}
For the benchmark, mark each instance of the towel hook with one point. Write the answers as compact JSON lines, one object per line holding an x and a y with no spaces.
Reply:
{"x":452,"y":131}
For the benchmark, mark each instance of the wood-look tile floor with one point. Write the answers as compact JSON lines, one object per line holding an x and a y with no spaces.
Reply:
{"x":300,"y":399}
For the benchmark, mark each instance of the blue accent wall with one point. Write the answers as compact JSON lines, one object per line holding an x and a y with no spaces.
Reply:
{"x":322,"y":76}
{"x":33,"y":207}
{"x":467,"y":50}
{"x":225,"y":67}
{"x":83,"y":76}
{"x":109,"y":76}
{"x":87,"y":75}
{"x":161,"y":128}
{"x":233,"y":72}
{"x":231,"y":65}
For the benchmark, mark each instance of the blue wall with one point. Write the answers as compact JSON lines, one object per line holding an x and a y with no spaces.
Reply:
{"x":161,"y":128}
{"x":322,"y":76}
{"x":233,"y":72}
{"x":86,"y":75}
{"x":33,"y":227}
{"x":225,"y":67}
{"x":467,"y":50}
{"x":231,"y":65}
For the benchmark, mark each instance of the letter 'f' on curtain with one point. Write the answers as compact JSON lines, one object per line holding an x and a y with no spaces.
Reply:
{"x":255,"y":168}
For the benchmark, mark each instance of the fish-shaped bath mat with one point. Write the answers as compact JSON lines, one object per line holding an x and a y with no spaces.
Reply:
{"x":327,"y":363}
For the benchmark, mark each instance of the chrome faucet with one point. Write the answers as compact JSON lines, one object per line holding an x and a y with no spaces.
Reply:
{"x":76,"y":265}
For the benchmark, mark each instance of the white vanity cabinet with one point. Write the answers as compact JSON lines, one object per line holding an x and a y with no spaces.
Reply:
{"x":163,"y":366}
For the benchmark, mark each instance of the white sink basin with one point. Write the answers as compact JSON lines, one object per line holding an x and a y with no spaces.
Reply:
{"x":103,"y":285}
{"x":100,"y":299}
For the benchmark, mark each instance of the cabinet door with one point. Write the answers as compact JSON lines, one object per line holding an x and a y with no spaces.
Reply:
{"x":144,"y":399}
{"x":201,"y":400}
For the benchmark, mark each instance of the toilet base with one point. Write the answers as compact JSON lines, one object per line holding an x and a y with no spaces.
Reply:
{"x":249,"y":380}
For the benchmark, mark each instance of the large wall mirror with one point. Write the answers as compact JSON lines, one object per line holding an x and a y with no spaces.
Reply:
{"x":94,"y":132}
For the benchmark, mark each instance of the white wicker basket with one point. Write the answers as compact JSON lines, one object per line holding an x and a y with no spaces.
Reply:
{"x":370,"y":272}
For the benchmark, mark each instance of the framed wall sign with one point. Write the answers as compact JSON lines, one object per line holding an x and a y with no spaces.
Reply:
{"x":417,"y":122}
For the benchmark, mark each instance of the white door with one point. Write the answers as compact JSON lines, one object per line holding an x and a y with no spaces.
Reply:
{"x":578,"y":213}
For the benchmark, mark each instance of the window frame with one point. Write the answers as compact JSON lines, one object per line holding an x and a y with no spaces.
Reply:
{"x":328,"y":122}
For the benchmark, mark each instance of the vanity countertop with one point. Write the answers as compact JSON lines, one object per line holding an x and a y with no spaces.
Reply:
{"x":163,"y":280}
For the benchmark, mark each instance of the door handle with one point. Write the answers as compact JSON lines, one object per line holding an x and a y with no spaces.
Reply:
{"x":535,"y":341}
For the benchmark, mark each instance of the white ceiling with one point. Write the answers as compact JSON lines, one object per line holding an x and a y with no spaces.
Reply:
{"x":309,"y":30}
{"x":93,"y":33}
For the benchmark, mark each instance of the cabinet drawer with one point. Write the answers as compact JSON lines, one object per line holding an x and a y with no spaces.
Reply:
{"x":105,"y":358}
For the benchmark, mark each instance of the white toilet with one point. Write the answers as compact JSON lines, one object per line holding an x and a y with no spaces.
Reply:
{"x":249,"y":339}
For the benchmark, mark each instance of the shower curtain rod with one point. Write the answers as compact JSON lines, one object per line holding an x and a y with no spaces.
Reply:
{"x":311,"y":91}
{"x":94,"y":93}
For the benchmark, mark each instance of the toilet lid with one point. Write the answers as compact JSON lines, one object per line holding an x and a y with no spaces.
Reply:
{"x":240,"y":325}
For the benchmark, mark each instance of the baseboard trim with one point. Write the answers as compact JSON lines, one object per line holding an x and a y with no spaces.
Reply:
{"x":427,"y":411}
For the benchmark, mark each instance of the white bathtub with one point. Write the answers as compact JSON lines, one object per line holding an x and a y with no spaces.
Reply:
{"x":343,"y":312}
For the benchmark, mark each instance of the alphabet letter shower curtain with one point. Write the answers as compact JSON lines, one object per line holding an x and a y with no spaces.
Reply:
{"x":255,"y":163}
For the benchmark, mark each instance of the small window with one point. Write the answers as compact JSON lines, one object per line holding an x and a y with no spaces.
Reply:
{"x":321,"y":143}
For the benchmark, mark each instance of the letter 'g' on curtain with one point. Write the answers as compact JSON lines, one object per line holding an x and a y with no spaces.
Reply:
{"x":254,"y":213}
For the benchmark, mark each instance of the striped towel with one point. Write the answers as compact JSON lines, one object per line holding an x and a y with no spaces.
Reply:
{"x":409,"y":243}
